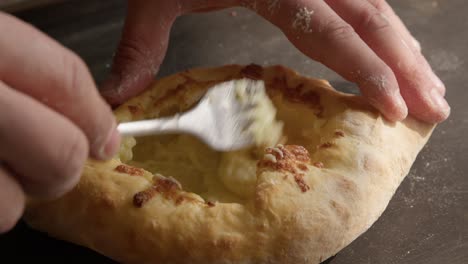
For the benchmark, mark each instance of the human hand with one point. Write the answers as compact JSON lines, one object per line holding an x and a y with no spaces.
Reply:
{"x":51,"y":117}
{"x":362,"y":40}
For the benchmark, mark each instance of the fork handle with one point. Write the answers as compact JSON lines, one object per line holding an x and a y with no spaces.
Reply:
{"x":149,"y":127}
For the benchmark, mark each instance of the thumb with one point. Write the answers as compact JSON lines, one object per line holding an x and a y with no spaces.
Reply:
{"x":141,"y":49}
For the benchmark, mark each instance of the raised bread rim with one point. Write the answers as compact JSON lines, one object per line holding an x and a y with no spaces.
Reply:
{"x":295,"y":217}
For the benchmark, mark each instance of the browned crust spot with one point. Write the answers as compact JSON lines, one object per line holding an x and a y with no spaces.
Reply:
{"x":167,"y":187}
{"x":210,"y":204}
{"x":291,"y":158}
{"x":143,"y":197}
{"x":252,"y":71}
{"x":124,"y":168}
{"x":341,"y":211}
{"x":299,"y":178}
{"x":318,"y":164}
{"x":326,"y":145}
{"x":346,"y":185}
{"x":179,"y":200}
{"x":299,"y":152}
{"x":302,"y":167}
{"x":180,"y":88}
{"x":224,"y":244}
{"x":134,"y":110}
{"x":286,"y":157}
{"x":299,"y":94}
{"x":339,"y":133}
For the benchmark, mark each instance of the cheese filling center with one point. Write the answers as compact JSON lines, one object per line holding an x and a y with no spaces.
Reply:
{"x":222,"y":176}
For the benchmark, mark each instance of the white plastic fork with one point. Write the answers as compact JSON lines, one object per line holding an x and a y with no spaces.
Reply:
{"x":221,"y":119}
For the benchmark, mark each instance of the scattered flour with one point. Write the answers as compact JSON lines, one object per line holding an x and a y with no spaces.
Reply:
{"x":302,"y":20}
{"x":443,"y":60}
{"x":379,"y":81}
{"x":273,"y":5}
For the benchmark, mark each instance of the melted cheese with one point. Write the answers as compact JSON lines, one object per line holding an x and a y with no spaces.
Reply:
{"x":265,"y":128}
{"x":216,"y":176}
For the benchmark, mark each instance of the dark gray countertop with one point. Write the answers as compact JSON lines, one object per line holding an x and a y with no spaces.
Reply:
{"x":426,"y":221}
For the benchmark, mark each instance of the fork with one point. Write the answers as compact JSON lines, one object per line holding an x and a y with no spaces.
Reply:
{"x":221,"y":118}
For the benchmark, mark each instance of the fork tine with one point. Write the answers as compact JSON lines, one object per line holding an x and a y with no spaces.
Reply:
{"x":222,"y":118}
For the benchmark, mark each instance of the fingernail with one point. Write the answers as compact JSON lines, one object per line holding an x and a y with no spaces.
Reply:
{"x":112,"y":145}
{"x":416,"y":44}
{"x":400,"y":103}
{"x":439,"y":102}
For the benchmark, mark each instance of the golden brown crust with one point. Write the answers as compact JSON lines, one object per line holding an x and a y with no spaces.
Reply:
{"x":127,"y":169}
{"x":309,"y":202}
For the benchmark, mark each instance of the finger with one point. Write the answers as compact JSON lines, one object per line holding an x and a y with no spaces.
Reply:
{"x":11,"y":201}
{"x":141,"y":49}
{"x":320,"y":33}
{"x":407,"y":37}
{"x":420,"y":93}
{"x":44,"y":149}
{"x":187,"y":6}
{"x":396,"y":23}
{"x":38,"y":66}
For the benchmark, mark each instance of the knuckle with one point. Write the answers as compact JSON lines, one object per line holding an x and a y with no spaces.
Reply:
{"x":133,"y":50}
{"x":337,"y":30}
{"x":374,"y":21}
{"x":380,"y":5}
{"x":412,"y":69}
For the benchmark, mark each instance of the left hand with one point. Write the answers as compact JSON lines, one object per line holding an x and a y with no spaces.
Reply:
{"x":362,"y":40}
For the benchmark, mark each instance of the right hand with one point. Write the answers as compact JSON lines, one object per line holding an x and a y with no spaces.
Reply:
{"x":362,"y":40}
{"x":51,"y":117}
